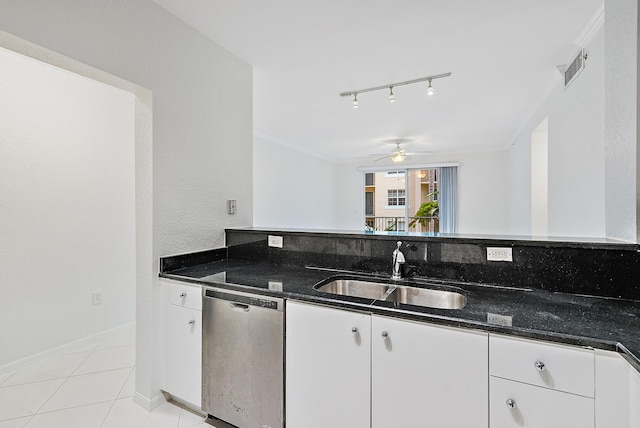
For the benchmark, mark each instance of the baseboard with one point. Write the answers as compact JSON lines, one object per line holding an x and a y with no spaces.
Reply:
{"x":40,"y":356}
{"x":147,"y":403}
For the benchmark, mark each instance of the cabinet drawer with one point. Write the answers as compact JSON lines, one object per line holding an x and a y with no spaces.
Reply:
{"x":559,"y":367}
{"x":188,"y":296}
{"x":533,"y":406}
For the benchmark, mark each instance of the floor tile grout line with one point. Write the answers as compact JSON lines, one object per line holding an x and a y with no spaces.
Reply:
{"x":112,"y":347}
{"x":72,"y":407}
{"x":102,"y":371}
{"x":3,"y":383}
{"x":114,"y":401}
{"x":8,"y":377}
{"x":58,"y":389}
{"x":85,"y":360}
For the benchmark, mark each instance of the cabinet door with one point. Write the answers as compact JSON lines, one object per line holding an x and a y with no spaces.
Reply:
{"x":537,"y":407}
{"x":327,"y":367}
{"x":634,"y":397}
{"x":183,"y":353}
{"x":428,"y":376}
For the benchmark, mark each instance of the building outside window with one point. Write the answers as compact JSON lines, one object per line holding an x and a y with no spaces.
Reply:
{"x":396,"y":198}
{"x":393,"y":198}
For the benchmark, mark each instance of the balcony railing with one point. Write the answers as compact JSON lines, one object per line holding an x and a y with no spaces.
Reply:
{"x":397,"y":224}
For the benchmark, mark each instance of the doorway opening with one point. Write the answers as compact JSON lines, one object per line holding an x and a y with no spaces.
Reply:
{"x":540,"y":179}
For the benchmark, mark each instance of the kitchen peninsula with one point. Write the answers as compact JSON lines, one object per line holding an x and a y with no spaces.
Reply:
{"x":575,"y":295}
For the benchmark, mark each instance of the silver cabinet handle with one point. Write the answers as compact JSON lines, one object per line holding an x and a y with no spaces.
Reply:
{"x":192,"y":322}
{"x":511,"y":403}
{"x":385,"y":334}
{"x":540,"y":366}
{"x":183,"y":295}
{"x":354,"y":330}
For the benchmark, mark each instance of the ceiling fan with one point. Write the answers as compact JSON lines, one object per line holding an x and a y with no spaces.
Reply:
{"x":399,"y":155}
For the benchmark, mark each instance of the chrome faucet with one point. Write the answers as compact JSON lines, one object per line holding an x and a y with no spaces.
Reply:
{"x":398,"y":261}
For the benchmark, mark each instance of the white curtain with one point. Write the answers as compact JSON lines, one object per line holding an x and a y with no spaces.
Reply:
{"x":447,"y":197}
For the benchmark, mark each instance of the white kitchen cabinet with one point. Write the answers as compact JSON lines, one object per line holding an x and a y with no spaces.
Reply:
{"x":425,"y":375}
{"x":535,"y":384}
{"x":328,"y":357}
{"x":517,"y":405}
{"x":183,"y":342}
{"x":617,"y":392}
{"x":419,"y":375}
{"x":634,"y":398}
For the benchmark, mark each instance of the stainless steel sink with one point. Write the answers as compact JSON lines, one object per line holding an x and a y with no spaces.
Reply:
{"x":355,"y":288}
{"x":429,"y":297}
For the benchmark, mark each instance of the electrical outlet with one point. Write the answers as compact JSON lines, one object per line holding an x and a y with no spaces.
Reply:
{"x":503,"y":320}
{"x":275,"y":285}
{"x":499,"y":254}
{"x":275,"y":241}
{"x":96,"y":297}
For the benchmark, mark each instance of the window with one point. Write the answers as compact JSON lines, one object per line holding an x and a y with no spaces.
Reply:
{"x":369,"y":204}
{"x":396,"y":198}
{"x":370,"y":179}
{"x":406,"y":200}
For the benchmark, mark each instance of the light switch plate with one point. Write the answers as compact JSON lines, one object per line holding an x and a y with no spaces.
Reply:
{"x":231,"y":206}
{"x":499,"y":254}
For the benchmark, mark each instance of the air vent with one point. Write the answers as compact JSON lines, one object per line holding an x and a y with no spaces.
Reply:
{"x":572,"y":71}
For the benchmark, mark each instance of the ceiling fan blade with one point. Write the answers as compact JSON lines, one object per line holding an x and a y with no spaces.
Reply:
{"x":384,"y":157}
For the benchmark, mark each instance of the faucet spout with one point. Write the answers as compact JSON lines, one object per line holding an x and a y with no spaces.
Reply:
{"x":398,"y":261}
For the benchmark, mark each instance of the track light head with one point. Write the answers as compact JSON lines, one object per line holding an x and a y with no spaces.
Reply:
{"x":390,"y":86}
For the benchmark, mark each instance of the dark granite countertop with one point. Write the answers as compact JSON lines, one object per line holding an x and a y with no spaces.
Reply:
{"x":604,"y":323}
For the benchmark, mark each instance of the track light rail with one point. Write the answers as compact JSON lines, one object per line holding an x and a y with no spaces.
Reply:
{"x":393,"y":85}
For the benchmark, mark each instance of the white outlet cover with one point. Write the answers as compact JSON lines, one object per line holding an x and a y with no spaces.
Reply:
{"x":275,"y":241}
{"x":495,"y":319}
{"x":275,"y":285}
{"x":499,"y":254}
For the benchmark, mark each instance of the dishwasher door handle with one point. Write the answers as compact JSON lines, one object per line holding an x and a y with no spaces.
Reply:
{"x":240,"y":306}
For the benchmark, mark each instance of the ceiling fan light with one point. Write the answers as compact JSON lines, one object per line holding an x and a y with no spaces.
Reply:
{"x":398,"y":157}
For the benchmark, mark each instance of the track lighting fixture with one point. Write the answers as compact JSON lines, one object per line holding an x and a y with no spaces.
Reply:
{"x":390,"y":87}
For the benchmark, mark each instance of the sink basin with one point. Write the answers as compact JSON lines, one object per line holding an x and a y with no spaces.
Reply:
{"x":355,"y":288}
{"x":430,"y":297}
{"x":405,"y":294}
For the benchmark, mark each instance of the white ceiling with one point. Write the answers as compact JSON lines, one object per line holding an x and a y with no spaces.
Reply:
{"x":502,"y":55}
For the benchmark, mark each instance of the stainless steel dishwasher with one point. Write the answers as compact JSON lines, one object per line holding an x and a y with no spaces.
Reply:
{"x":243,"y":358}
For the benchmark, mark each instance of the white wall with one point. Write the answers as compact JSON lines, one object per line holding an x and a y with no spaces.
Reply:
{"x":68,"y":217}
{"x":482,"y":191}
{"x":291,"y":189}
{"x":621,"y":120}
{"x":202,"y":129}
{"x":576,"y":149}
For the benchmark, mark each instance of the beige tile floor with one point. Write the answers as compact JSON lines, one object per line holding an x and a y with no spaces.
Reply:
{"x":88,"y":387}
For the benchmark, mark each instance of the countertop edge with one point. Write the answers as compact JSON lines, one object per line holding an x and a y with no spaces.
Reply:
{"x":581,"y":341}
